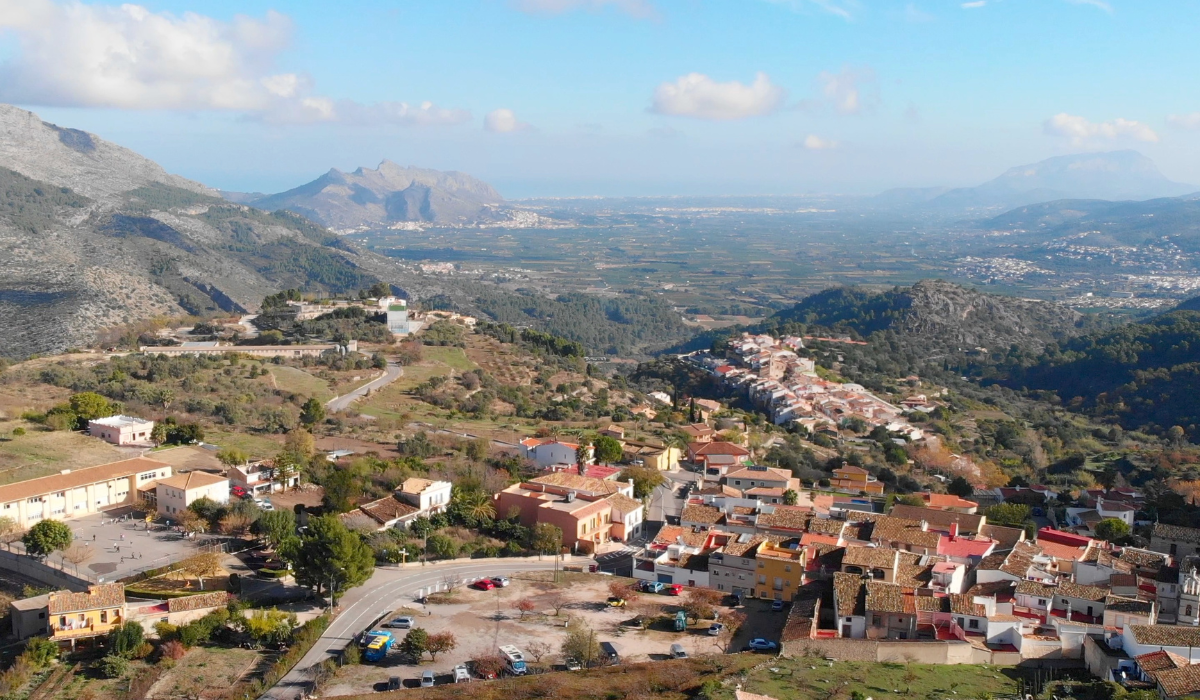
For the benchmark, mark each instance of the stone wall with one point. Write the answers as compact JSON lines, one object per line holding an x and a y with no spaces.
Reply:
{"x":30,"y":568}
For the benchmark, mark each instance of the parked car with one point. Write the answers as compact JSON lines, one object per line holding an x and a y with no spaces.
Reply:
{"x":484,"y":584}
{"x":460,"y":674}
{"x":673,"y":589}
{"x":760,"y":644}
{"x":402,"y":623}
{"x":677,"y":652}
{"x":776,"y":605}
{"x":573,"y":664}
{"x":238,"y":491}
{"x":427,"y":679}
{"x":652,"y":586}
{"x":500,"y":581}
{"x":394,"y":683}
{"x":609,"y":652}
{"x":715,"y":629}
{"x":263,"y":504}
{"x":615,"y":602}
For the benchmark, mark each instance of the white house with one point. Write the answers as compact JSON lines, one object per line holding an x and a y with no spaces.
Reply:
{"x":548,"y":452}
{"x":626,"y":517}
{"x":428,"y":497}
{"x":121,"y":430}
{"x":180,"y":491}
{"x":259,"y":477}
{"x":1143,"y":639}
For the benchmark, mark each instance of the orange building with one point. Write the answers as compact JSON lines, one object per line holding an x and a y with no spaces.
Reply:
{"x":855,"y":479}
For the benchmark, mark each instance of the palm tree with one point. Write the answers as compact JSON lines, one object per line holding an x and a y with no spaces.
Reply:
{"x":477,"y":506}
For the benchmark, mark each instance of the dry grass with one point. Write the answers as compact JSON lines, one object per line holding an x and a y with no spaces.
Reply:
{"x":41,"y":452}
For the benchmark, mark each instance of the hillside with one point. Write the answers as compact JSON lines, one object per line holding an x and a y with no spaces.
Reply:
{"x":386,"y":195}
{"x":1143,"y":375}
{"x":939,"y":316}
{"x":92,"y":235}
{"x":1106,"y":224}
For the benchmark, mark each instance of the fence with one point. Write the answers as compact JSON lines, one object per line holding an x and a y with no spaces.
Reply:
{"x":43,"y":571}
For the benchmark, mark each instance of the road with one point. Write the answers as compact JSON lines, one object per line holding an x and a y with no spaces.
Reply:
{"x":341,"y":403}
{"x":666,"y":502}
{"x":388,"y":589}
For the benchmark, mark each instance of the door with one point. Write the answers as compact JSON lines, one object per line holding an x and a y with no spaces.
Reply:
{"x":846,"y":631}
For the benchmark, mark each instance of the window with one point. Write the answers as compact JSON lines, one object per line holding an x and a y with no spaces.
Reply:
{"x":103,"y":616}
{"x":875,"y":620}
{"x":763,"y":579}
{"x":62,"y":621}
{"x":973,"y":624}
{"x":787,"y":568}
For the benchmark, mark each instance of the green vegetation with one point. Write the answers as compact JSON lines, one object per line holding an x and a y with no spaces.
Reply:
{"x":46,"y":537}
{"x":31,"y":205}
{"x":330,"y":558}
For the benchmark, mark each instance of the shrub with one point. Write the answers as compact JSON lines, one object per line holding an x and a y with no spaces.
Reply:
{"x":113,"y":666}
{"x":351,"y":656}
{"x":143,"y":650}
{"x":124,"y":641}
{"x":173,"y":650}
{"x":165,"y":630}
{"x":18,"y":432}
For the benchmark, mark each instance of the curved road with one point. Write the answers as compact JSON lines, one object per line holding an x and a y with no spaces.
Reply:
{"x":341,"y":403}
{"x":388,"y":589}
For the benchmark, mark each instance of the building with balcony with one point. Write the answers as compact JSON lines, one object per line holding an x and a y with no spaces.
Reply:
{"x":260,"y":477}
{"x":855,"y":480}
{"x":779,"y":571}
{"x":427,"y":496}
{"x":578,"y":505}
{"x":67,"y":617}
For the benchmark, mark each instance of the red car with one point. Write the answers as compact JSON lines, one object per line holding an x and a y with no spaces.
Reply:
{"x":238,"y":491}
{"x":484,"y":584}
{"x":673,"y":589}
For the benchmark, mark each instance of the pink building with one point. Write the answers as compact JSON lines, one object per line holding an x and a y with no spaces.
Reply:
{"x":121,"y":430}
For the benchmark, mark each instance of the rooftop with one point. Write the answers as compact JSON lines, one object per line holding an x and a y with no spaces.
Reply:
{"x":872,"y":557}
{"x":578,"y":483}
{"x":104,"y":595}
{"x":1165,"y":635}
{"x":847,"y":590}
{"x":192,"y":480}
{"x":387,"y":509}
{"x":118,"y":421}
{"x":77,"y":478}
{"x":884,"y":597}
{"x":1178,"y":682}
{"x":1175,"y":532}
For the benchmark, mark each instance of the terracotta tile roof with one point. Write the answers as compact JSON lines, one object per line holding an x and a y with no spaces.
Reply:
{"x":928,"y":603}
{"x":670,"y":534}
{"x":1062,"y":551}
{"x":1160,"y":660}
{"x":192,"y":480}
{"x":700,"y":513}
{"x":793,"y":518}
{"x":963,"y":604}
{"x":1020,"y":559}
{"x":356,"y":520}
{"x":760,"y":473}
{"x":884,"y":597}
{"x":1171,"y":532}
{"x":910,"y":572}
{"x":104,"y":595}
{"x":387,"y":509}
{"x":1134,"y":606}
{"x":872,"y":557}
{"x":77,"y":478}
{"x":624,"y":503}
{"x":1035,"y":588}
{"x":848,"y":594}
{"x":947,"y":500}
{"x":828,"y":556}
{"x":1122,"y":581}
{"x":721,"y":448}
{"x":1165,"y":635}
{"x":578,"y":483}
{"x":765,"y":491}
{"x":968,"y":524}
{"x":1179,"y":682}
{"x":1071,"y":589}
{"x":992,"y":562}
{"x":1143,"y":558}
{"x":826,"y":526}
{"x":903,"y":530}
{"x":1006,"y":537}
{"x":1001,"y":590}
{"x":743,"y":549}
{"x":693,"y":562}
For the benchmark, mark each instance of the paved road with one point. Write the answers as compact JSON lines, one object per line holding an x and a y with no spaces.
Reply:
{"x":388,"y":589}
{"x":341,"y":403}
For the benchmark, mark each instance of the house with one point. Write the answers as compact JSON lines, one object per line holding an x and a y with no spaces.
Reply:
{"x":1180,"y":640}
{"x":948,"y":501}
{"x":779,"y":570}
{"x":548,"y":452}
{"x":951,"y":522}
{"x":732,"y":566}
{"x":176,"y":493}
{"x":698,"y":432}
{"x":626,"y":517}
{"x":68,"y":617}
{"x":705,"y":408}
{"x":661,"y":396}
{"x":885,"y":612}
{"x":260,"y":477}
{"x":716,"y":458}
{"x":680,"y":555}
{"x":1174,"y":540}
{"x":855,"y":480}
{"x":79,"y":492}
{"x":578,"y":505}
{"x":427,"y":496}
{"x":389,"y":512}
{"x":650,"y":454}
{"x":122,"y":430}
{"x":876,"y":563}
{"x":614,"y":430}
{"x":752,"y":477}
{"x":1120,"y":611}
{"x":1078,"y":602}
{"x":849,"y":603}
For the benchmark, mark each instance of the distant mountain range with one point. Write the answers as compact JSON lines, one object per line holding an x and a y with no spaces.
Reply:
{"x":1105,"y":224}
{"x":93,"y":236}
{"x":1116,"y":175}
{"x":386,"y":195}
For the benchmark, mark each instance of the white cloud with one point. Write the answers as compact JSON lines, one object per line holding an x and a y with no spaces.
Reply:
{"x":815,"y":143}
{"x":1099,"y":4}
{"x":697,"y":95}
{"x":634,"y":8}
{"x":1081,"y":131}
{"x":1185,"y":121}
{"x":841,"y":8}
{"x":503,"y":121}
{"x":974,"y":4}
{"x":128,"y":57}
{"x":845,"y":92}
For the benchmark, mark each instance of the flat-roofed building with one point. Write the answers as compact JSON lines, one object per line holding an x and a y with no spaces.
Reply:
{"x":80,"y":492}
{"x":121,"y":430}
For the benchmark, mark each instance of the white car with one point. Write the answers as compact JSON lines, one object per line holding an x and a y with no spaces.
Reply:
{"x":403,"y":623}
{"x":715,"y":630}
{"x":500,"y":581}
{"x":264,"y":504}
{"x":461,"y":675}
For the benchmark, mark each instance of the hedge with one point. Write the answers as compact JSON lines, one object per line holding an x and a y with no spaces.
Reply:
{"x":161,"y":595}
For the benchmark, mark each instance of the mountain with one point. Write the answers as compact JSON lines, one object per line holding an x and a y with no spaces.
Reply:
{"x":1106,"y":224}
{"x":94,"y":236}
{"x":937,"y":317}
{"x":1115,"y":175}
{"x":1144,"y":376}
{"x":389,"y":194}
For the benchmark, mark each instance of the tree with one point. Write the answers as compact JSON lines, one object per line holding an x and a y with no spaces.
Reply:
{"x":332,"y":558}
{"x":700,"y":603}
{"x":537,"y":650}
{"x":77,"y":553}
{"x":312,"y":412}
{"x":1112,"y":529}
{"x":556,"y":600}
{"x":472,"y":506}
{"x":960,"y":487}
{"x":622,"y":589}
{"x":275,"y":526}
{"x":46,"y":537}
{"x":489,"y":665}
{"x":524,"y":606}
{"x":790,"y":497}
{"x":441,"y":546}
{"x":1008,"y":514}
{"x":89,"y":405}
{"x":235,"y":524}
{"x":732,"y":621}
{"x":113,"y":666}
{"x":191,"y":521}
{"x":269,"y":627}
{"x":124,"y":640}
{"x":644,"y":479}
{"x":440,"y":642}
{"x":415,"y":643}
{"x":581,"y":644}
{"x":40,"y":651}
{"x":159,"y":433}
{"x":203,"y":565}
{"x":608,"y":449}
{"x":232,"y":457}
{"x":546,"y":539}
{"x":478,"y":449}
{"x":341,"y":488}
{"x":9,"y":531}
{"x":582,"y":453}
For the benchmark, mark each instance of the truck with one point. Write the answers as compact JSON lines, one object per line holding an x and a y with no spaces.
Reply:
{"x":379,"y":643}
{"x":514,"y":659}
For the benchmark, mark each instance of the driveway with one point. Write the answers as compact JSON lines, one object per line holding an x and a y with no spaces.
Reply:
{"x":387,"y":589}
{"x":341,"y":403}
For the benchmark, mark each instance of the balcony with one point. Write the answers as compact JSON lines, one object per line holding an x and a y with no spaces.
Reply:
{"x":79,"y":630}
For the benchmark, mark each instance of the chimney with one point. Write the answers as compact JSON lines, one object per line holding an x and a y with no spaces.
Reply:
{"x":953,"y":530}
{"x":570,"y":496}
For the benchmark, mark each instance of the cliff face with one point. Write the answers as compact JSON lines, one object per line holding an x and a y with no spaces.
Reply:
{"x":93,"y":235}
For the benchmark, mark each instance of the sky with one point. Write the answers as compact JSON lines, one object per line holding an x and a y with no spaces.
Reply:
{"x":616,"y":97}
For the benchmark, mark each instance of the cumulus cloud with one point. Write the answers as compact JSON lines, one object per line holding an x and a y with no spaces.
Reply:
{"x":1185,"y":121}
{"x":815,"y":143}
{"x":697,"y":95}
{"x":128,"y":57}
{"x":849,"y":91}
{"x":634,"y":8}
{"x":503,"y":121}
{"x":1081,"y":131}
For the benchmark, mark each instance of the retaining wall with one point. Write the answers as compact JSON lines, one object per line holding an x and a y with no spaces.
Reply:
{"x":43,"y":573}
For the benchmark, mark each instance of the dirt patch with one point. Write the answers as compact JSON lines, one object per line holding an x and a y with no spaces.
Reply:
{"x":204,"y":669}
{"x":189,"y":458}
{"x":308,"y":494}
{"x":360,"y":447}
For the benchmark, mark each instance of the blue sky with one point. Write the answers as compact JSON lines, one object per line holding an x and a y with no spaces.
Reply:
{"x":616,"y":97}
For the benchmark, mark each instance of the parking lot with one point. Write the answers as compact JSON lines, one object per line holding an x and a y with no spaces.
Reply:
{"x":482,"y":621}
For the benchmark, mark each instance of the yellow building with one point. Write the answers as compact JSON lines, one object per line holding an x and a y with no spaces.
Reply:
{"x":854,"y":480}
{"x":779,"y":571}
{"x":74,"y":493}
{"x":67,"y":616}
